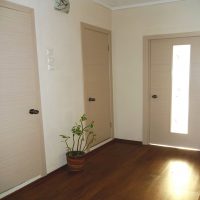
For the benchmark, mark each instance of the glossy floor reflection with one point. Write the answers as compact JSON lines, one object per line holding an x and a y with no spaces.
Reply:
{"x":121,"y":171}
{"x":181,"y":181}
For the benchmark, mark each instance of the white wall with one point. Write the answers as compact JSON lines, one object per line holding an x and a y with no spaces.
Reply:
{"x":128,"y":28}
{"x":62,"y":89}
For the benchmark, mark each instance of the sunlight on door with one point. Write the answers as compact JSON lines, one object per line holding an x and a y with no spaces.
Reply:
{"x":180,"y":89}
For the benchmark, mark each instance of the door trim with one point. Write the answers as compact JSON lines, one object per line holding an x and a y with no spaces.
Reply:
{"x":14,"y":6}
{"x":147,"y":78}
{"x":108,"y":32}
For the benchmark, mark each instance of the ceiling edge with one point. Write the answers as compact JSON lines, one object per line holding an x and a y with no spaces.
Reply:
{"x":103,"y":4}
{"x":135,"y":5}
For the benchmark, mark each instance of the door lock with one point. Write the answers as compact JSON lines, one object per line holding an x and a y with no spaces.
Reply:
{"x":33,"y":111}
{"x":91,"y":99}
{"x":154,"y":96}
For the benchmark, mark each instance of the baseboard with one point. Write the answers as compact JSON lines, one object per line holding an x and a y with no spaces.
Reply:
{"x":8,"y":192}
{"x":127,"y":141}
{"x":99,"y":146}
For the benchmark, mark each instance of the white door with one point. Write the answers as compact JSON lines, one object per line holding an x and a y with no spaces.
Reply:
{"x":175,"y":92}
{"x":97,"y":80}
{"x":21,"y":147}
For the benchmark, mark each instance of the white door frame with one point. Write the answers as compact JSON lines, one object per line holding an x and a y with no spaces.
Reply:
{"x":147,"y":77}
{"x":108,"y":32}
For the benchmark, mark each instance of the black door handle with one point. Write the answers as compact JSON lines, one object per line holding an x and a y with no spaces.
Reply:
{"x":154,"y":96}
{"x":92,"y":99}
{"x":33,"y":111}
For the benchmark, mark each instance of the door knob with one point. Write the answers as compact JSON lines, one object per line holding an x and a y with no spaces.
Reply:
{"x":33,"y":111}
{"x":91,"y":99}
{"x":154,"y":96}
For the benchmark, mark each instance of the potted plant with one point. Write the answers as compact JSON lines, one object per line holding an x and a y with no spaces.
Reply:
{"x":82,"y":138}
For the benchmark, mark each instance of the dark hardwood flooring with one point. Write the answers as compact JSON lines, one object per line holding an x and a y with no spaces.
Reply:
{"x":122,"y":171}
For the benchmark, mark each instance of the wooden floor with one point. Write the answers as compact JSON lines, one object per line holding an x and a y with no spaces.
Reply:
{"x":120,"y":171}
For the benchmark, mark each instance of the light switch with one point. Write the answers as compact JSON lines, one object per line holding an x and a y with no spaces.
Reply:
{"x":50,"y":52}
{"x":50,"y":59}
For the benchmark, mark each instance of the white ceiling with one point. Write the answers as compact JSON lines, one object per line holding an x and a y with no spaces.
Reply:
{"x":121,"y":4}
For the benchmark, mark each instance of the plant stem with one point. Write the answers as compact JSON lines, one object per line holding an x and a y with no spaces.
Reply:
{"x":68,"y":148}
{"x":86,"y":127}
{"x":91,"y":141}
{"x":82,"y":131}
{"x":78,"y":142}
{"x":81,"y":142}
{"x":87,"y":138}
{"x":73,"y":143}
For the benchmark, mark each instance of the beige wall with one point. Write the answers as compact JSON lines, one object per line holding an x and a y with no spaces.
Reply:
{"x":62,"y":89}
{"x":128,"y":27}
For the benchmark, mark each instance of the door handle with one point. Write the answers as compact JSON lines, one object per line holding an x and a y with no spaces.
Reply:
{"x":154,"y":96}
{"x":33,"y":111}
{"x":91,"y":99}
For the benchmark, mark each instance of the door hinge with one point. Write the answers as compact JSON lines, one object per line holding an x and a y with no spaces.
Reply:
{"x":110,"y":124}
{"x":108,"y":48}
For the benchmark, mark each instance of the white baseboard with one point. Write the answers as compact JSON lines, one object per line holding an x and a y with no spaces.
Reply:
{"x":19,"y":187}
{"x":175,"y":147}
{"x":101,"y":144}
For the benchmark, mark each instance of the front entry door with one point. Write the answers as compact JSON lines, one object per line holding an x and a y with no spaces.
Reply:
{"x":175,"y":92}
{"x":21,"y":146}
{"x":97,"y":80}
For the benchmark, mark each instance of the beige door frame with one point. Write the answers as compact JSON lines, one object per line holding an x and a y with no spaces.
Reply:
{"x":108,"y":32}
{"x":147,"y":77}
{"x":13,"y":6}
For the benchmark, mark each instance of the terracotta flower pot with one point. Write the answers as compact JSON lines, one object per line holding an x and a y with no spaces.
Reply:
{"x":75,"y":163}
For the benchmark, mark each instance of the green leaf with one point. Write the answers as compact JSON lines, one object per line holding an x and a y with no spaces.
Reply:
{"x":64,"y":136}
{"x":84,"y":117}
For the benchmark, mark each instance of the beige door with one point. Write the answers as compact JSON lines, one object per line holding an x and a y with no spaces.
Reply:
{"x":97,"y":80}
{"x":175,"y":92}
{"x":21,"y":149}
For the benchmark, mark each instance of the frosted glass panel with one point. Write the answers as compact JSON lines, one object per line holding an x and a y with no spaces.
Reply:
{"x":180,"y":89}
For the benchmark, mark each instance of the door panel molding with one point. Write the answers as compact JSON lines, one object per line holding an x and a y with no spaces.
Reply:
{"x":30,"y":12}
{"x":147,"y":78}
{"x":14,"y":6}
{"x":85,"y":26}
